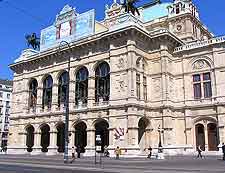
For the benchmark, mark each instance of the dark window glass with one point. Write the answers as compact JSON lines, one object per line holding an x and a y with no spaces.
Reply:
{"x":207,"y":89}
{"x":206,"y":76}
{"x":33,"y":93}
{"x":62,"y":88}
{"x":47,"y":92}
{"x":197,"y":91}
{"x":196,"y":78}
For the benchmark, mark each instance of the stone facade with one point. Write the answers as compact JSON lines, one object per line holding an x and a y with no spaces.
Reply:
{"x":166,"y":75}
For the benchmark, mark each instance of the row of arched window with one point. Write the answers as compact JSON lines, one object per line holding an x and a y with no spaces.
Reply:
{"x":102,"y":87}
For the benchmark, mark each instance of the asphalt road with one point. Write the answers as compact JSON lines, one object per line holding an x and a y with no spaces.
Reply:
{"x":54,"y":164}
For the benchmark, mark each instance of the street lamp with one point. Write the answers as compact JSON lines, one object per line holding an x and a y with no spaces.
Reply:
{"x":160,"y":154}
{"x":66,"y":113}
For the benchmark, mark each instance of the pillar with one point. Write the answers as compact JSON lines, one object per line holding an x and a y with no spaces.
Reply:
{"x":91,"y":90}
{"x":206,"y":136}
{"x":52,"y":148}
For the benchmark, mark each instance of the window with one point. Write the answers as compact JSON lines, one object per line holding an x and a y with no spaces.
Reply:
{"x":8,"y":96}
{"x":47,"y":92}
{"x":102,"y":82}
{"x":138,"y":86}
{"x":81,"y":86}
{"x":0,"y":102}
{"x":145,"y":88}
{"x":0,"y":111}
{"x":7,"y":104}
{"x":1,"y":94}
{"x":202,"y":84}
{"x":0,"y":86}
{"x":7,"y":111}
{"x":33,"y":93}
{"x":62,"y":88}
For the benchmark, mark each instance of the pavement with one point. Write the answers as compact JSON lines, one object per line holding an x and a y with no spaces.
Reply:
{"x":55,"y":164}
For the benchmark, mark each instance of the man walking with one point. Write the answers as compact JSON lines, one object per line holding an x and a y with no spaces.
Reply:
{"x":73,"y":155}
{"x":150,"y":152}
{"x":78,"y":151}
{"x":199,"y":151}
{"x":223,"y":150}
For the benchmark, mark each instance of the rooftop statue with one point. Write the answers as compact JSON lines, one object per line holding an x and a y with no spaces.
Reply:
{"x":129,"y":6}
{"x":33,"y":40}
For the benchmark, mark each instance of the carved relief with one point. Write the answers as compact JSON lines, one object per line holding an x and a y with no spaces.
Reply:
{"x":121,"y":84}
{"x":200,"y":64}
{"x":121,"y":62}
{"x":156,"y":88}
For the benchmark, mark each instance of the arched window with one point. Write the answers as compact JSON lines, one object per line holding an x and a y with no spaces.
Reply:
{"x":102,"y":82}
{"x":47,"y":92}
{"x":33,"y":93}
{"x":81,"y":86}
{"x":62,"y":88}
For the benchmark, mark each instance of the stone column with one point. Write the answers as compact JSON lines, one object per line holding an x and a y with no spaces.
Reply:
{"x":52,"y":148}
{"x":90,"y":148}
{"x":206,"y":136}
{"x":37,"y":143}
{"x":72,"y":90}
{"x":91,"y":91}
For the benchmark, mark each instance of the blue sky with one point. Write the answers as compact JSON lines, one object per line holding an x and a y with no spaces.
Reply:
{"x":25,"y":16}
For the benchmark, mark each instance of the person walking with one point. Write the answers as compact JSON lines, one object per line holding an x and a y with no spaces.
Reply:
{"x":117,"y":152}
{"x":150,"y":152}
{"x":73,"y":154}
{"x":78,"y":151}
{"x":106,"y":152}
{"x":199,"y":151}
{"x":223,"y":150}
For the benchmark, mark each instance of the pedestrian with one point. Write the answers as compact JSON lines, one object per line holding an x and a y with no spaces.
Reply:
{"x":73,"y":154}
{"x":199,"y":151}
{"x":118,"y":152}
{"x":78,"y":151}
{"x":106,"y":152}
{"x":223,"y":150}
{"x":150,"y":152}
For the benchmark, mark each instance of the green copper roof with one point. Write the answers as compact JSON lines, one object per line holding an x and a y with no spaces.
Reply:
{"x":155,"y":11}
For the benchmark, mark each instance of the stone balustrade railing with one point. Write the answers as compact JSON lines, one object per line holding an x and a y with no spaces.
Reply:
{"x":199,"y":44}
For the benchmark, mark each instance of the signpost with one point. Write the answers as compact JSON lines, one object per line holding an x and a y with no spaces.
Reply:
{"x":98,"y":148}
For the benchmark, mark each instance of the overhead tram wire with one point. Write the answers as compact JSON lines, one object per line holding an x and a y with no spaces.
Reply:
{"x":25,"y":12}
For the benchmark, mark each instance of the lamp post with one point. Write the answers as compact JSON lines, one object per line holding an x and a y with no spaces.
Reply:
{"x":160,"y":154}
{"x":66,"y":113}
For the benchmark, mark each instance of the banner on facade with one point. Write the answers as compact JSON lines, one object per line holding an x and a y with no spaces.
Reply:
{"x":71,"y":30}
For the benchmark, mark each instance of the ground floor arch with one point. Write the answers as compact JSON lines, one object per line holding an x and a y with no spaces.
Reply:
{"x":142,"y":133}
{"x":81,"y":135}
{"x":60,"y":137}
{"x":101,"y":128}
{"x":207,"y":135}
{"x":45,"y":137}
{"x":30,"y":138}
{"x":212,"y":137}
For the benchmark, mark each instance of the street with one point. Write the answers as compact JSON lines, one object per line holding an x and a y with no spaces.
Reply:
{"x":54,"y":164}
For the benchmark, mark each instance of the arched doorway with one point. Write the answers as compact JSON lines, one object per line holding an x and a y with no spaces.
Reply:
{"x":81,"y":136}
{"x":30,"y":138}
{"x":61,"y":137}
{"x":200,"y":136}
{"x":142,"y":134}
{"x":101,"y":128}
{"x":212,"y":137}
{"x":45,"y":137}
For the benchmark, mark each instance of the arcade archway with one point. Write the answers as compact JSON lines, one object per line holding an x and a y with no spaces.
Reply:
{"x":30,"y":138}
{"x":45,"y":137}
{"x":142,"y":134}
{"x":81,"y":136}
{"x":101,"y":128}
{"x":61,"y":137}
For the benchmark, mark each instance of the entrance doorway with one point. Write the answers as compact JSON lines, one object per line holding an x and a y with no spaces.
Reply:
{"x":61,"y":137}
{"x":101,"y":128}
{"x":45,"y":137}
{"x":200,"y":136}
{"x":81,"y":136}
{"x":212,"y":137}
{"x":30,"y":138}
{"x":142,"y":135}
